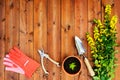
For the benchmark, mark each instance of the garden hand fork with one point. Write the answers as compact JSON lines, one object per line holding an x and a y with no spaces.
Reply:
{"x":44,"y":55}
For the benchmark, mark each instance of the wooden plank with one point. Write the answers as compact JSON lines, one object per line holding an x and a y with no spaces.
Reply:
{"x":117,"y":12}
{"x":105,"y":2}
{"x":80,"y":31}
{"x":53,"y":38}
{"x":94,"y":12}
{"x":29,"y":29}
{"x":67,"y":32}
{"x":55,"y":35}
{"x":2,"y":37}
{"x":40,"y":34}
{"x":26,"y":30}
{"x":23,"y":31}
{"x":11,"y":30}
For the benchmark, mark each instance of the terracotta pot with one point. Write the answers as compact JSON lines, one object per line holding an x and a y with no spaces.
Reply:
{"x":71,"y":65}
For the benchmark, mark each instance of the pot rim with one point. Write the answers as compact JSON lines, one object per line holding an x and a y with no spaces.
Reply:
{"x":69,"y":73}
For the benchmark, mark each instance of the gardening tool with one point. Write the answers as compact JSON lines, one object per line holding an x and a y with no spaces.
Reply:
{"x":81,"y":51}
{"x":44,"y":55}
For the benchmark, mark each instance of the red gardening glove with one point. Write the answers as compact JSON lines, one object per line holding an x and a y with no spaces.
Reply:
{"x":26,"y":63}
{"x":11,"y":66}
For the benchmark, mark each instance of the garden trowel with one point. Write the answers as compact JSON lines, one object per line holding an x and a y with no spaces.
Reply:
{"x":81,"y":51}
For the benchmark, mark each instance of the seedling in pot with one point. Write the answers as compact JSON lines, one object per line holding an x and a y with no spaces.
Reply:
{"x":72,"y":66}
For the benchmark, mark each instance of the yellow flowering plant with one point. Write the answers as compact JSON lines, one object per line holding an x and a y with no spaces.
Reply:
{"x":103,"y":45}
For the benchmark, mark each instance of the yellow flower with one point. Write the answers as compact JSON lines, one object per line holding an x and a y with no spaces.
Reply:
{"x":99,"y":23}
{"x":113,"y":31}
{"x":91,"y":44}
{"x":92,"y":51}
{"x":96,"y":33}
{"x":98,"y":65}
{"x":96,"y":36}
{"x":113,"y":22}
{"x":108,"y":9}
{"x":102,"y":31}
{"x":100,"y":40}
{"x":96,"y":30}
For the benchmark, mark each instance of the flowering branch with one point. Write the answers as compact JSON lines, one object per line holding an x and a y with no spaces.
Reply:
{"x":103,"y":45}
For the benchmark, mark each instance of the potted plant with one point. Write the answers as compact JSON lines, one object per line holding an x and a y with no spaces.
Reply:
{"x":71,"y":65}
{"x":103,"y":46}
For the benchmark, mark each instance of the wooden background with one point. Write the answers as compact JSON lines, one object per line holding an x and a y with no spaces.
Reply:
{"x":50,"y":25}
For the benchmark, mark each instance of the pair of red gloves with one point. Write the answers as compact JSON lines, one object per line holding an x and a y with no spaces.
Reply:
{"x":17,"y":61}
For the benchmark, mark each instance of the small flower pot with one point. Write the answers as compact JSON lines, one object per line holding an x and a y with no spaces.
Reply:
{"x":71,"y":65}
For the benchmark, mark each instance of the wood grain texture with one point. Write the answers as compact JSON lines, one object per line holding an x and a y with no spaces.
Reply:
{"x":26,"y":30}
{"x":40,"y":35}
{"x":67,"y":32}
{"x":2,"y":37}
{"x":117,"y":12}
{"x":94,"y":12}
{"x":53,"y":38}
{"x":50,"y":25}
{"x":23,"y":31}
{"x":11,"y":31}
{"x":81,"y":27}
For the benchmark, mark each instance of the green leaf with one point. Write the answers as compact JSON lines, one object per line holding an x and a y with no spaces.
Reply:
{"x":72,"y":66}
{"x":96,"y":62}
{"x":96,"y":78}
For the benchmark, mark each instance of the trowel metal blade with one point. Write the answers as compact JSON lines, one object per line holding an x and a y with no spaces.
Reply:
{"x":79,"y":46}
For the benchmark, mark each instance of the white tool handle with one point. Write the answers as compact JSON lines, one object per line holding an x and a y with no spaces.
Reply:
{"x":43,"y":66}
{"x":92,"y":73}
{"x":53,"y":61}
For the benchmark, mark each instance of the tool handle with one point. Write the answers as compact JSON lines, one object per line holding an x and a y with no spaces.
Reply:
{"x":92,"y":73}
{"x":53,"y":61}
{"x":43,"y":66}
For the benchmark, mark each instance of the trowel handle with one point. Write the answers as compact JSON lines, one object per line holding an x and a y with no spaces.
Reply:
{"x":92,"y":73}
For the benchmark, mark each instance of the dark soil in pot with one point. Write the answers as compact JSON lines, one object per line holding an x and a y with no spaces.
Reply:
{"x":76,"y":63}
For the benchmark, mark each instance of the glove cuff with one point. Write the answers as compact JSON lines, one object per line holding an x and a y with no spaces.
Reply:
{"x":31,"y":67}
